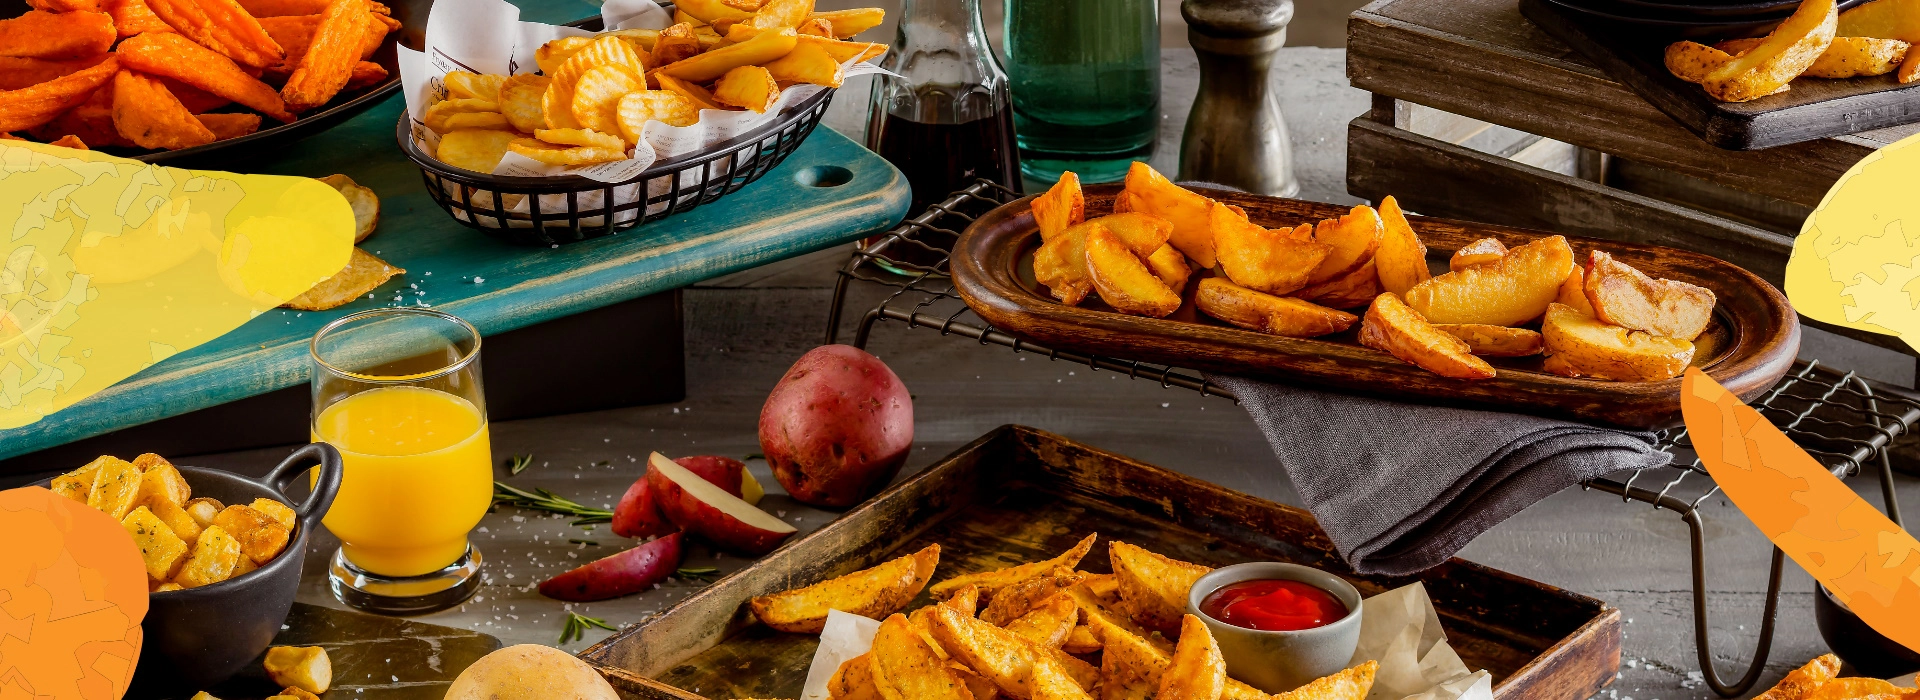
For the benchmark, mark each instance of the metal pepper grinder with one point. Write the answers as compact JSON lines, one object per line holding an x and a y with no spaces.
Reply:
{"x":1235,"y":135}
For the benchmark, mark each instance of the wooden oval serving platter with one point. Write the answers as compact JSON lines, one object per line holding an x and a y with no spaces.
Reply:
{"x":1750,"y":345}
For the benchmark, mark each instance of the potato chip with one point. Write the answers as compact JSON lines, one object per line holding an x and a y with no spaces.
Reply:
{"x":470,"y":85}
{"x":596,"y":97}
{"x":782,"y":13}
{"x":807,"y":63}
{"x":520,"y":98}
{"x":16,"y":73}
{"x":759,"y":50}
{"x":555,"y":155}
{"x":131,"y":17}
{"x":175,"y":56}
{"x":39,"y":34}
{"x":847,"y":23}
{"x":29,"y":107}
{"x":363,"y":274}
{"x":751,"y":87}
{"x":557,"y":104}
{"x":638,"y":108}
{"x":149,"y":116}
{"x":553,"y":53}
{"x":699,"y":95}
{"x":580,"y":137}
{"x":329,"y":61}
{"x":675,"y":43}
{"x":227,"y":126}
{"x":475,"y":120}
{"x":221,"y":25}
{"x":478,"y":150}
{"x":436,"y":115}
{"x":366,"y":216}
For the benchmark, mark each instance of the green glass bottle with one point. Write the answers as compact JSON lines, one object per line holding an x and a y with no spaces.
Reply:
{"x":1085,"y":76}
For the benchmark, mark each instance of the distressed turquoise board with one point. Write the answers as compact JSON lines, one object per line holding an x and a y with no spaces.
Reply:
{"x":774,"y":218}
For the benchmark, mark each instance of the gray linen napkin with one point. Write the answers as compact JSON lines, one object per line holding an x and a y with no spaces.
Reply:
{"x":1401,"y":487}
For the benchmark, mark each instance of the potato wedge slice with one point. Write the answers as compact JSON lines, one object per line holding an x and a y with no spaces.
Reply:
{"x":1170,"y":265}
{"x":1353,"y":237}
{"x":905,"y":667}
{"x":990,"y":582}
{"x":1351,"y":684}
{"x":1149,"y":192}
{"x":1626,"y":297}
{"x":1061,"y":265}
{"x":1131,"y":661}
{"x":1198,"y":671}
{"x":1846,"y":57}
{"x":1883,"y":19}
{"x":1402,"y":257}
{"x":1356,"y":289}
{"x":1573,"y":292}
{"x":1479,"y":252}
{"x":854,"y":680}
{"x":847,"y":23}
{"x":1392,"y":327}
{"x":1495,"y":341}
{"x":1507,"y":292}
{"x":1048,"y":623}
{"x":1153,"y":588}
{"x":1693,"y":61}
{"x":1252,"y":310}
{"x":1080,"y":641}
{"x":1144,"y":233}
{"x":1123,"y":281}
{"x":1018,"y":599}
{"x":874,"y":593}
{"x":966,"y":599}
{"x":1001,"y":656}
{"x":1787,"y":52}
{"x":712,"y":11}
{"x":1277,"y":261}
{"x":1588,"y":347}
{"x":1800,"y":682}
{"x":807,"y":63}
{"x":1051,"y":682}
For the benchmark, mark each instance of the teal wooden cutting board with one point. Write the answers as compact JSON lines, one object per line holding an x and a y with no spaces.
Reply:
{"x":496,"y":286}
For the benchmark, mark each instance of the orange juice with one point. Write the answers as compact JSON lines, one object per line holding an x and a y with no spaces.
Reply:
{"x":418,"y":476}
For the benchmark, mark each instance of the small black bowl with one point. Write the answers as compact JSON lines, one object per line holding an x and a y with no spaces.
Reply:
{"x":1870,"y":653}
{"x":197,"y":637}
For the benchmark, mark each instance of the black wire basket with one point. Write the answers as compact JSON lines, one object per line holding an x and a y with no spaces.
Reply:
{"x":548,"y":211}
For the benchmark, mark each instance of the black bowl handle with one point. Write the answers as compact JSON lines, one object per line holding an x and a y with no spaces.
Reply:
{"x":296,"y":466}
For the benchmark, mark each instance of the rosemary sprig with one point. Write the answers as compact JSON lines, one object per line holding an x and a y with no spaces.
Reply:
{"x":577,"y":626}
{"x":544,"y":500}
{"x":519,"y":464}
{"x":703,"y":574}
{"x":590,"y":543}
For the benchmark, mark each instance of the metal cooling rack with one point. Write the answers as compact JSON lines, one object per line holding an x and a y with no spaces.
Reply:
{"x":1840,"y":418}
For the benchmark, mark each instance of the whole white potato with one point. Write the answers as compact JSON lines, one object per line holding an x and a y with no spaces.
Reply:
{"x":530,"y":672}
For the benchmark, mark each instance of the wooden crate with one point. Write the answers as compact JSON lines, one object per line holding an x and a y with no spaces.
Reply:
{"x":1020,"y":494}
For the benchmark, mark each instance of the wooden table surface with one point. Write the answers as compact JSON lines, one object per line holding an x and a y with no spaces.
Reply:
{"x":743,"y":331}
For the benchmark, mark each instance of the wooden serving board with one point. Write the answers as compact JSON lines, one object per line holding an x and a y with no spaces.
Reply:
{"x":1020,"y":494}
{"x":1815,"y":108}
{"x":1750,"y":345}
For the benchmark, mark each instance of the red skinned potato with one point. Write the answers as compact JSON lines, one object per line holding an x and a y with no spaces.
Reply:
{"x":837,"y":427}
{"x":638,"y":515}
{"x":724,"y":472}
{"x":701,"y":508}
{"x":625,"y":573}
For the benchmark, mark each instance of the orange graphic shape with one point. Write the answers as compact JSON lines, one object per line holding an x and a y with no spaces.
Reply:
{"x":72,"y":593}
{"x":1869,"y":563}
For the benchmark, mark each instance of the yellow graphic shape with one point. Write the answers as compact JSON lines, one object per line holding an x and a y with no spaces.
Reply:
{"x":110,"y":265}
{"x":1868,"y":562}
{"x":1857,"y":260}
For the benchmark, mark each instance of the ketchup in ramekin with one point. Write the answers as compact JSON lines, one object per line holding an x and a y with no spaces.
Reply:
{"x":1273,"y":605}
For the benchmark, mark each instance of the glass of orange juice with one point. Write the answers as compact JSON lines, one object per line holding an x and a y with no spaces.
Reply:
{"x":397,"y":392}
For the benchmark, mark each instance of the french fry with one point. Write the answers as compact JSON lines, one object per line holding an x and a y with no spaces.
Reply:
{"x":847,"y":23}
{"x":1495,"y":341}
{"x":905,"y":667}
{"x":1401,"y":258}
{"x":194,"y":99}
{"x":223,"y":26}
{"x":674,"y":44}
{"x":815,"y":27}
{"x":132,"y":17}
{"x":366,"y":74}
{"x":1693,"y":61}
{"x":748,"y":87}
{"x":283,"y":8}
{"x":378,"y":27}
{"x":30,"y":107}
{"x":65,"y":5}
{"x":1356,"y":289}
{"x":149,"y":116}
{"x":1170,"y":265}
{"x":17,"y":73}
{"x":998,"y":655}
{"x":699,"y":96}
{"x":781,"y":13}
{"x":294,"y":33}
{"x":41,"y":34}
{"x":1353,"y":238}
{"x":844,"y":51}
{"x":711,"y":11}
{"x":761,"y":50}
{"x":436,"y":116}
{"x":1153,"y":588}
{"x":596,"y":96}
{"x":638,"y":108}
{"x":1479,"y":252}
{"x":175,"y":56}
{"x":329,"y":60}
{"x":807,"y":63}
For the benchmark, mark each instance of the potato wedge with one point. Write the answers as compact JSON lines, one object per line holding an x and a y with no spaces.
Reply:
{"x":1401,"y":258}
{"x":1846,"y":57}
{"x":1051,"y":682}
{"x":161,"y":550}
{"x":1144,"y":233}
{"x":1800,"y":682}
{"x":1018,"y":599}
{"x":1048,"y":623}
{"x":1356,"y":289}
{"x":1507,"y":292}
{"x":874,"y":593}
{"x":1353,"y":237}
{"x":1573,"y":292}
{"x":990,"y":582}
{"x":1080,"y":641}
{"x":1588,"y":347}
{"x":1123,"y":281}
{"x":1198,"y":672}
{"x":905,"y":667}
{"x":1860,"y":689}
{"x":747,"y":87}
{"x":1137,"y":661}
{"x":1495,"y":341}
{"x":1252,"y":310}
{"x":847,"y":23}
{"x":1392,"y":327}
{"x":761,"y":50}
{"x":1277,"y":261}
{"x":1153,"y":588}
{"x":1910,"y":69}
{"x":979,"y":686}
{"x":1000,"y":656}
{"x":712,"y":11}
{"x":1149,"y":192}
{"x":1693,"y":61}
{"x":966,"y":599}
{"x":1061,"y":265}
{"x":1170,"y":265}
{"x":1479,"y":252}
{"x":854,"y":680}
{"x":1787,"y":52}
{"x":1882,"y":19}
{"x":1351,"y":684}
{"x":1626,"y":297}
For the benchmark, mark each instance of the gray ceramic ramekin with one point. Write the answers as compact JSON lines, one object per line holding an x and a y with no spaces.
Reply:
{"x":1276,"y":662}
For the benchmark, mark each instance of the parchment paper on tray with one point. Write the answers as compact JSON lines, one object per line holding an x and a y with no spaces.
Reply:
{"x":487,"y":37}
